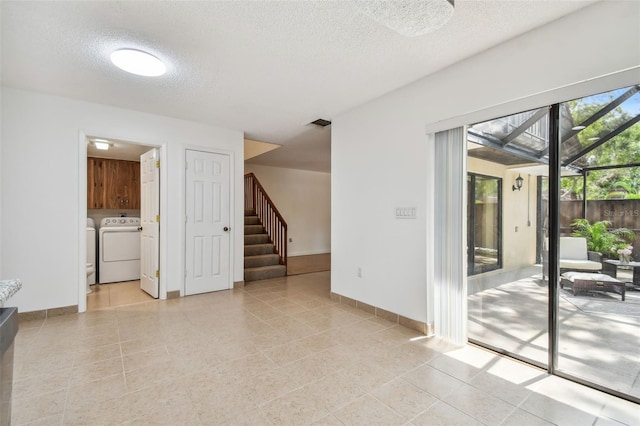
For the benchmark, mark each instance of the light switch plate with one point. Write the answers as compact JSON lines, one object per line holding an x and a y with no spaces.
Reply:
{"x":406,"y":212}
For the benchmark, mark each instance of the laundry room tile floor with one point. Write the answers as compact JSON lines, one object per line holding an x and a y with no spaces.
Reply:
{"x":277,"y":352}
{"x":116,"y":294}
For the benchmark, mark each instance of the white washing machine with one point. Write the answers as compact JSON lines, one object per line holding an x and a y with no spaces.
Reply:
{"x":119,"y":249}
{"x":91,"y":251}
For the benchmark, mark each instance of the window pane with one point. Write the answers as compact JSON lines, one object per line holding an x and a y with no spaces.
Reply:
{"x":506,"y":226}
{"x":601,"y":130}
{"x":484,"y":219}
{"x":598,"y":332}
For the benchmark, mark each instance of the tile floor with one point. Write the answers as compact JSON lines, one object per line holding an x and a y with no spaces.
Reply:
{"x":116,"y":294}
{"x":278,"y":352}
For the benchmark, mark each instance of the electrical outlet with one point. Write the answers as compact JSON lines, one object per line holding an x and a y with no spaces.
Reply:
{"x":290,"y":240}
{"x":359,"y":272}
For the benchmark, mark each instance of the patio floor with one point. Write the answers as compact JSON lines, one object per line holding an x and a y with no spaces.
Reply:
{"x":599,"y":335}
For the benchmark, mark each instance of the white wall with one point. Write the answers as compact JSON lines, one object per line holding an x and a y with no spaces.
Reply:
{"x":40,"y":176}
{"x":381,"y":153}
{"x":304,"y":199}
{"x":1,"y":274}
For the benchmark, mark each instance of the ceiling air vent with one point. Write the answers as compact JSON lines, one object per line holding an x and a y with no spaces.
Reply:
{"x":321,"y":122}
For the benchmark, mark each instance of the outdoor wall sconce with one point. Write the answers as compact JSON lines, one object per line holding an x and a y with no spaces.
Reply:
{"x":518,"y":185}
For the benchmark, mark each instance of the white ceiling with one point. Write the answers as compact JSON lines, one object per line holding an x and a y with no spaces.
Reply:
{"x":265,"y":68}
{"x":119,"y":150}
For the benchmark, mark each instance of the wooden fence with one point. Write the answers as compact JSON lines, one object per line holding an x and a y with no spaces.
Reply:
{"x":621,"y":213}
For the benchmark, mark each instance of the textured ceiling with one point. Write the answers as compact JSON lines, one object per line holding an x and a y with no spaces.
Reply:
{"x":266,"y":68}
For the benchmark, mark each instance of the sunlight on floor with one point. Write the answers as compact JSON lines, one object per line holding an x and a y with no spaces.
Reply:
{"x":597,"y":333}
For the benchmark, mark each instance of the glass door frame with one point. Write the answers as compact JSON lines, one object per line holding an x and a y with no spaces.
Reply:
{"x":553,"y":269}
{"x":471,"y":221}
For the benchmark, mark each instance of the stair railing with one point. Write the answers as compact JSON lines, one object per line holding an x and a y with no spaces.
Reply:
{"x":256,"y":198}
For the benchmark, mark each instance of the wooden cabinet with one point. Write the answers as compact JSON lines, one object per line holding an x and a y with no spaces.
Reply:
{"x":113,"y":184}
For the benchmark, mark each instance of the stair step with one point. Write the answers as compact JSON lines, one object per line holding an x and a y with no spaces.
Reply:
{"x":264,"y":272}
{"x":256,"y":239}
{"x":251,"y":220}
{"x":261,"y":260}
{"x":253,"y":229}
{"x":249,"y":212}
{"x":258,"y":249}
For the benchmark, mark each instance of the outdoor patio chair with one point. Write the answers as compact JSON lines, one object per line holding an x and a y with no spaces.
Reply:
{"x":574,"y":256}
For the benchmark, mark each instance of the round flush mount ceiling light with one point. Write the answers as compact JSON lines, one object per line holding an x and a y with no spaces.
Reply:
{"x":409,"y":18}
{"x":138,"y":62}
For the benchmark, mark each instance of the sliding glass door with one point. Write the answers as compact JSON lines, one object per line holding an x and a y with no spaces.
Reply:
{"x":598,"y":327}
{"x":507,"y":289}
{"x":564,"y":293}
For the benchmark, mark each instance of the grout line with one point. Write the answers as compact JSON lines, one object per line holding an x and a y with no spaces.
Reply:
{"x":515,"y":408}
{"x":121,"y":319}
{"x":124,"y":373}
{"x":66,"y":398}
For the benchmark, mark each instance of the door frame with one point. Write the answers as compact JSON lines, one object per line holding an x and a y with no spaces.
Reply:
{"x":471,"y":222}
{"x":232,"y":212}
{"x":83,"y":138}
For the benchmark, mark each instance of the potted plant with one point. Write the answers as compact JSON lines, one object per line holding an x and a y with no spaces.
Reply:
{"x":624,"y":254}
{"x":601,"y":238}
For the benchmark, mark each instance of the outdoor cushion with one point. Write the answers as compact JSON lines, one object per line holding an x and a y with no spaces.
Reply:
{"x":574,"y":255}
{"x":573,"y":248}
{"x":580,"y":264}
{"x":572,"y":276}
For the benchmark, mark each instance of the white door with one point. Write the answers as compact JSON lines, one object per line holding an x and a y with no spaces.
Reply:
{"x":150,"y":221}
{"x":207,"y":222}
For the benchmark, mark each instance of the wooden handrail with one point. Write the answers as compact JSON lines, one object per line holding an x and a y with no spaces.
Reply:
{"x":256,"y":198}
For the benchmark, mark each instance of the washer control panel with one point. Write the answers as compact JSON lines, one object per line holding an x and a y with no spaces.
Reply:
{"x":120,"y":221}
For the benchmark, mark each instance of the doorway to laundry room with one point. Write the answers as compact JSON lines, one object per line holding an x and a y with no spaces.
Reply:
{"x":123,"y":187}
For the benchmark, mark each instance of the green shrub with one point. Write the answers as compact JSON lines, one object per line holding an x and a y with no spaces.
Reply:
{"x":601,"y":238}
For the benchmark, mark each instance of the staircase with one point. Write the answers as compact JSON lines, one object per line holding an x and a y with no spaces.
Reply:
{"x":265,"y":234}
{"x":261,"y":261}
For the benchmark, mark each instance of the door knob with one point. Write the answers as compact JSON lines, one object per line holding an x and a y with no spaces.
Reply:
{"x":226,"y":229}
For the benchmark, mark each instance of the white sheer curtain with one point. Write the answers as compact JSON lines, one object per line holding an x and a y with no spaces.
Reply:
{"x":450,"y":236}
